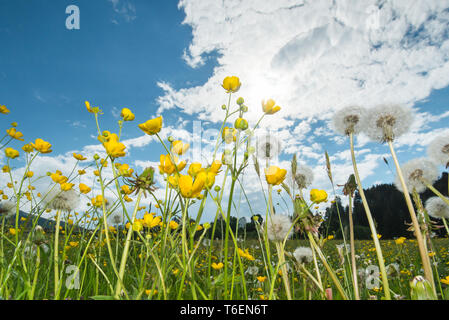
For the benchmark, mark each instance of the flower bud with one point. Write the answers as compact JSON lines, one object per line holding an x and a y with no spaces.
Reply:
{"x":244,"y":108}
{"x":217,"y":188}
{"x":171,"y":139}
{"x":223,"y":107}
{"x":241,"y":124}
{"x":240,"y":101}
{"x":96,"y":157}
{"x":421,"y":289}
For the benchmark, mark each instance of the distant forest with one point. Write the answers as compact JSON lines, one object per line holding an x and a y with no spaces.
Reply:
{"x":388,"y":208}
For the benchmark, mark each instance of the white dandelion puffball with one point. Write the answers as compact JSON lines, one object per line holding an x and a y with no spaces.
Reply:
{"x":348,"y":120}
{"x":303,"y":255}
{"x":115,"y":218}
{"x":438,"y":150}
{"x":437,"y":208}
{"x":387,"y":122}
{"x":267,"y":147}
{"x":304,"y":177}
{"x":7,"y":209}
{"x":62,"y":200}
{"x":413,"y":171}
{"x":279,"y":227}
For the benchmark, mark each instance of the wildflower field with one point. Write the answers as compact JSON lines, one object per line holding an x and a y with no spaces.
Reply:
{"x":120,"y":249}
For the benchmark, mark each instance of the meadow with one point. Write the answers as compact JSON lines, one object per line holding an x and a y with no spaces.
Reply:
{"x":120,"y":249}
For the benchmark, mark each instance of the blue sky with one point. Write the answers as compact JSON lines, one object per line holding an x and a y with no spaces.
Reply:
{"x":169,"y":58}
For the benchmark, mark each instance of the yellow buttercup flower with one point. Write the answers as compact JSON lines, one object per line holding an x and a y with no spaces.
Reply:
{"x":42,"y":146}
{"x":151,"y":126}
{"x":13,"y":133}
{"x":79,"y":157}
{"x":125,"y":170}
{"x":445,"y":280}
{"x":167,"y":165}
{"x":4,"y":110}
{"x":13,"y":231}
{"x":194,"y":169}
{"x":318,"y":196}
{"x":245,"y":254}
{"x":28,"y":148}
{"x":58,"y":177}
{"x":173,"y":225}
{"x":215,"y":166}
{"x":6,"y":169}
{"x":150,"y":221}
{"x":400,"y":240}
{"x":274,"y":175}
{"x":231,"y":84}
{"x":229,"y":135}
{"x":127,"y":115}
{"x":190,"y":188}
{"x":210,"y":179}
{"x":217,"y":266}
{"x":269,"y":106}
{"x":11,"y":153}
{"x":98,"y":201}
{"x":173,"y":180}
{"x":92,"y":109}
{"x":126,"y":189}
{"x":113,"y":147}
{"x":137,"y":225}
{"x":180,"y":147}
{"x":67,"y":186}
{"x":84,"y":188}
{"x":261,"y":279}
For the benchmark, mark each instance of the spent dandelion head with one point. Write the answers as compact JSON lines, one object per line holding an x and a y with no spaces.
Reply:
{"x":303,"y":255}
{"x":304,"y":177}
{"x":7,"y":209}
{"x":267,"y":147}
{"x":348,"y":120}
{"x":385,"y":123}
{"x":414,"y":171}
{"x":115,"y":218}
{"x":279,"y":227}
{"x":62,"y":200}
{"x":437,"y":208}
{"x":438,"y":150}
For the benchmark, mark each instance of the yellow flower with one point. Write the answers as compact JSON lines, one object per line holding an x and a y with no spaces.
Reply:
{"x":15,"y":134}
{"x":66,"y":186}
{"x":6,"y":169}
{"x":81,"y":172}
{"x":11,"y":153}
{"x":74,"y":244}
{"x":58,"y":177}
{"x":245,"y":254}
{"x":190,"y":188}
{"x":92,"y":109}
{"x":445,"y":280}
{"x":127,"y":115}
{"x":113,"y":147}
{"x":217,"y":266}
{"x":180,"y":147}
{"x":173,"y":225}
{"x":127,"y":199}
{"x":215,"y":166}
{"x":261,"y":279}
{"x":4,"y":110}
{"x":151,"y":126}
{"x":98,"y":201}
{"x":125,"y":170}
{"x":241,"y":124}
{"x":269,"y":106}
{"x":229,"y":135}
{"x":194,"y":169}
{"x":274,"y":175}
{"x":210,"y":179}
{"x":126,"y":189}
{"x":29,"y":174}
{"x":137,"y":225}
{"x":42,"y":146}
{"x":27,"y":148}
{"x":13,"y":231}
{"x":231,"y":84}
{"x":148,"y":292}
{"x":318,"y":196}
{"x":84,"y":188}
{"x":173,"y":180}
{"x":150,"y":221}
{"x":167,"y":165}
{"x":79,"y":157}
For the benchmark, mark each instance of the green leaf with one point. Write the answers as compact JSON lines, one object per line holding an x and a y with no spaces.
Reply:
{"x":102,"y":298}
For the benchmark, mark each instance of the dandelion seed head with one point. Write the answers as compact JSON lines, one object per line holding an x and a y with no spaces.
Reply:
{"x":438,"y":150}
{"x":62,"y":200}
{"x":437,"y":208}
{"x":413,"y":171}
{"x":348,"y":120}
{"x":304,"y":177}
{"x":7,"y":209}
{"x":303,"y":255}
{"x":387,"y":122}
{"x":115,"y":218}
{"x":267,"y":147}
{"x":279,"y":227}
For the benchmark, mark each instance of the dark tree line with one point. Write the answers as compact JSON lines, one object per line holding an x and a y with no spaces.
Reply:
{"x":389,"y":210}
